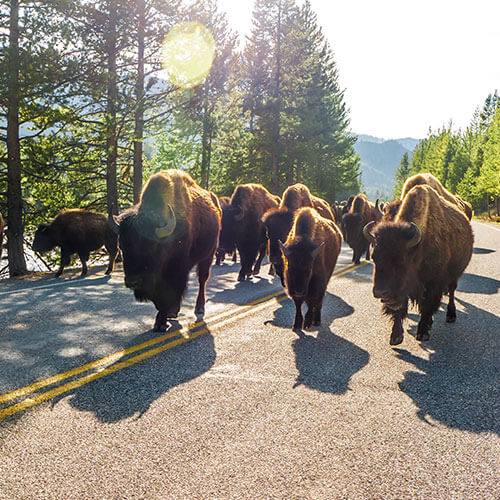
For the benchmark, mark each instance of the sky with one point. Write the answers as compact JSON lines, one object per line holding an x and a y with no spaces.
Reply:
{"x":406,"y":66}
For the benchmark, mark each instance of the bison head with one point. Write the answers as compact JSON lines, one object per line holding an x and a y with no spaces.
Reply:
{"x":278,"y":224}
{"x":144,"y":241}
{"x":45,"y":238}
{"x":353,"y":233}
{"x":394,"y":259}
{"x":299,"y":255}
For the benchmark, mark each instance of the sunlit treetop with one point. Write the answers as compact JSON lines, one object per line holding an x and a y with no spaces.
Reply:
{"x":187,"y":54}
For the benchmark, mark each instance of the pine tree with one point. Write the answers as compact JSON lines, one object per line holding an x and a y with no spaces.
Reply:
{"x":402,"y":173}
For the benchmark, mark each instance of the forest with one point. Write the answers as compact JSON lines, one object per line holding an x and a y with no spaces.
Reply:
{"x":465,"y":161}
{"x":88,"y":111}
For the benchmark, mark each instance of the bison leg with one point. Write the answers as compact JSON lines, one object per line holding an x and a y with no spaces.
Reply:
{"x":298,"y":321}
{"x":262,"y":252}
{"x":84,"y":257}
{"x":397,"y":333}
{"x":219,"y":257}
{"x":368,"y":253}
{"x":160,"y":322}
{"x":111,"y":244}
{"x":203,"y":274}
{"x":65,"y":260}
{"x":429,"y":307}
{"x":235,"y":257}
{"x":247,"y":259}
{"x":451,"y":311}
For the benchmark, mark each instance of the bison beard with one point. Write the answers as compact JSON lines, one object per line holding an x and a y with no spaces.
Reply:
{"x":174,"y":227}
{"x":310,"y":252}
{"x":418,"y":255}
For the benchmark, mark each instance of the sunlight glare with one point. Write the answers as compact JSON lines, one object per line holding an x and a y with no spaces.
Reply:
{"x":187,"y":54}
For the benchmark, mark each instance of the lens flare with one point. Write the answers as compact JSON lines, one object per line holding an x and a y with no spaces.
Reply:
{"x":187,"y":54}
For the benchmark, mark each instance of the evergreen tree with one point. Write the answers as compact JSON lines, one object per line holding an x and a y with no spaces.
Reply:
{"x":402,"y":173}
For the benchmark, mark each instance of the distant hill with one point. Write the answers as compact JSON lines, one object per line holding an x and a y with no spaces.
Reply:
{"x":379,"y":160}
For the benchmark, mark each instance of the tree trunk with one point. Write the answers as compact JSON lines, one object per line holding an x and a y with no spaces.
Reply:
{"x":112,"y":98}
{"x":139,"y":111}
{"x":15,"y":232}
{"x":205,"y":149}
{"x":275,"y":134}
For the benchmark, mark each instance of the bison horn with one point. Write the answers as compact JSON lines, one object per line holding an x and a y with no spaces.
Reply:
{"x":379,"y":210}
{"x":317,"y":249}
{"x":168,"y":229}
{"x":113,"y":224}
{"x":284,"y":249}
{"x":367,"y":233}
{"x":415,"y":240}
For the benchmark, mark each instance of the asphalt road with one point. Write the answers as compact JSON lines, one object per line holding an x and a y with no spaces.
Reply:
{"x":94,"y":405}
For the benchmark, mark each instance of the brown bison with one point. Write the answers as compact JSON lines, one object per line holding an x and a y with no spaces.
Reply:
{"x":361,"y":212}
{"x":242,"y":226}
{"x":77,"y":231}
{"x":220,"y":253}
{"x":1,"y":234}
{"x":430,"y":180}
{"x":311,"y":251}
{"x":418,"y":255}
{"x":278,"y":221}
{"x":174,"y":227}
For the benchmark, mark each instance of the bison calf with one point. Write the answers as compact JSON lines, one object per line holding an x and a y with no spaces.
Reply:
{"x":311,"y":251}
{"x":77,"y":231}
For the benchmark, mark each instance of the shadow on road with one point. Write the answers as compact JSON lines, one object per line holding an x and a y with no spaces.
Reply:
{"x":459,"y":385}
{"x":474,"y":283}
{"x":477,"y":250}
{"x":326,"y":362}
{"x":131,"y":391}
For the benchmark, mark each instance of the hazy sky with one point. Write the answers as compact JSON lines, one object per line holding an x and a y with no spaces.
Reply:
{"x":406,"y":66}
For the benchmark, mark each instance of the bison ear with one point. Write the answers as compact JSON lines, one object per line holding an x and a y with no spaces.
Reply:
{"x":317,"y":249}
{"x":284,"y":249}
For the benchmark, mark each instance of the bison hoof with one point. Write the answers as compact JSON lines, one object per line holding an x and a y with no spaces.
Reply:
{"x":423,"y":336}
{"x":451,"y":318}
{"x":160,"y":327}
{"x":396,"y":339}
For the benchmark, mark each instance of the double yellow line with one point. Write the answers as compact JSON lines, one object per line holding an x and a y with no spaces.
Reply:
{"x":110,"y":364}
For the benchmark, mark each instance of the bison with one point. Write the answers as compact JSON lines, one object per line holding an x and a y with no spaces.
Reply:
{"x":242,"y":226}
{"x":174,"y":227}
{"x":220,"y":253}
{"x":78,"y":232}
{"x":311,"y":251}
{"x":422,"y":252}
{"x":361,"y":212}
{"x":278,"y":221}
{"x":430,"y":180}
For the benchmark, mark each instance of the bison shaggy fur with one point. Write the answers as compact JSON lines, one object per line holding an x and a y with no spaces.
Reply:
{"x":417,"y":256}
{"x":361,"y":212}
{"x":278,"y":221}
{"x":311,"y":251}
{"x":78,"y":232}
{"x":174,"y":227}
{"x":242,"y":226}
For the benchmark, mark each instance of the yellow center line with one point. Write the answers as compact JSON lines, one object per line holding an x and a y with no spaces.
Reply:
{"x":215,"y":322}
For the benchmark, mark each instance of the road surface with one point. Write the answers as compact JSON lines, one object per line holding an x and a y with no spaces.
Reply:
{"x":93,"y":404}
